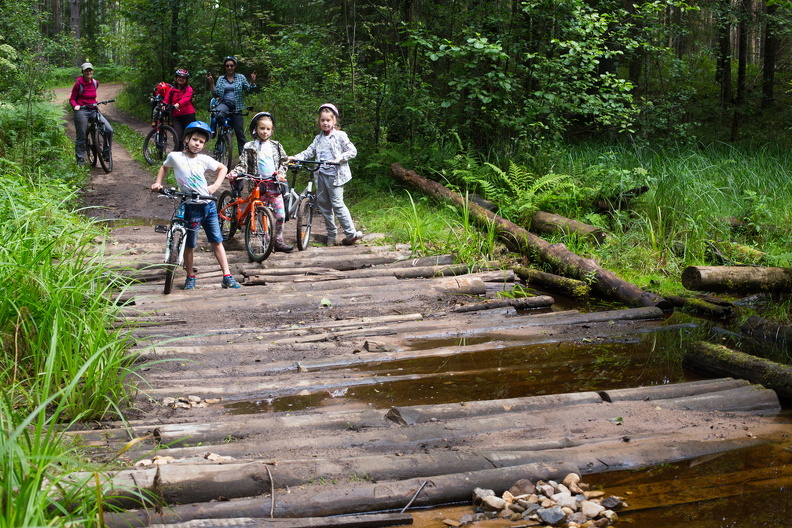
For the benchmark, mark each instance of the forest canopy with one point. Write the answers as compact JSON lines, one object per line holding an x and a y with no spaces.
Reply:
{"x":505,"y":76}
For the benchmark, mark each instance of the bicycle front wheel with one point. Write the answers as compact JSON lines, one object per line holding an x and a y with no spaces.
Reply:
{"x":90,"y":147}
{"x":158,"y":144}
{"x":103,"y":151}
{"x":228,"y":214}
{"x":304,"y":222}
{"x":177,"y":239}
{"x":222,"y":150}
{"x":259,"y":234}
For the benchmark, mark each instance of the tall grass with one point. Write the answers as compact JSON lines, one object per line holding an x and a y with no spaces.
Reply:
{"x":56,"y":303}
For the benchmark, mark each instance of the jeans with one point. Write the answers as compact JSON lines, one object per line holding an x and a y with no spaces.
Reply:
{"x":237,"y":123}
{"x":330,"y":199}
{"x":204,"y":215}
{"x":81,"y":126}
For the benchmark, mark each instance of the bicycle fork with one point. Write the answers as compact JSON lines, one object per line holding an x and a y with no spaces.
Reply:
{"x":169,"y":241}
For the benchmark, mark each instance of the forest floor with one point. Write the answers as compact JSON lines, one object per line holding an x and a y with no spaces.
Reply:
{"x":270,"y":376}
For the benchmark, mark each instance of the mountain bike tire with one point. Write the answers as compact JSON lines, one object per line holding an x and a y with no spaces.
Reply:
{"x":227,"y":227}
{"x":158,"y":144}
{"x":177,"y":239}
{"x":305,"y":213}
{"x":222,"y":150}
{"x":105,"y":159}
{"x":259,"y":234}
{"x":90,"y":147}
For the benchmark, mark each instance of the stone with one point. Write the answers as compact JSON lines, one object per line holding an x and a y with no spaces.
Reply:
{"x":577,"y":517}
{"x":452,"y":522}
{"x":466,"y":519}
{"x":591,"y":509}
{"x":553,"y":516}
{"x":611,"y":515}
{"x":612,"y":503}
{"x":493,"y":503}
{"x":519,"y":508}
{"x":530,"y":499}
{"x":546,"y":489}
{"x":508,"y":497}
{"x":479,"y":494}
{"x":594,"y":494}
{"x":522,"y":487}
{"x":572,"y":482}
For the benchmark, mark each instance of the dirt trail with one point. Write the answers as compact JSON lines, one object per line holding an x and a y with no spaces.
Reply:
{"x":229,"y":371}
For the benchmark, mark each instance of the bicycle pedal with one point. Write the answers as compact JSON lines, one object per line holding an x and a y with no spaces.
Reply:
{"x":159,"y":228}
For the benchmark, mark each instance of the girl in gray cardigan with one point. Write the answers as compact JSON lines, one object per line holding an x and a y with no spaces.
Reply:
{"x":332,"y":144}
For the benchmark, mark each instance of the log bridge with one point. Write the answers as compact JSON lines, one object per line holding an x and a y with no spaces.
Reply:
{"x":216,"y":443}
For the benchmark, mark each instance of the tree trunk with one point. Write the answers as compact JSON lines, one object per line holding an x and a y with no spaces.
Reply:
{"x":606,"y":283}
{"x":700,"y":307}
{"x":521,"y":303}
{"x":74,"y":23}
{"x":543,"y":222}
{"x":565,"y":285}
{"x":761,"y":327}
{"x":719,"y":360}
{"x":738,"y":279}
{"x":770,"y":46}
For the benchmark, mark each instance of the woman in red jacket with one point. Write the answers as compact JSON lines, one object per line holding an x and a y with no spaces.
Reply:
{"x":180,"y":97}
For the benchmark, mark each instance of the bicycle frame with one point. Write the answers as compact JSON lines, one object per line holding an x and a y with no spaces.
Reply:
{"x":252,"y":201}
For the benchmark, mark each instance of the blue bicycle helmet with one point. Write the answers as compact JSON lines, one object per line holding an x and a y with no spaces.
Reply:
{"x":254,"y":122}
{"x":230,"y":58}
{"x":198,"y":126}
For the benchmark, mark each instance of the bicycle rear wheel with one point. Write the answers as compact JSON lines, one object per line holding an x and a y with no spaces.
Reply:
{"x":304,"y":222}
{"x":158,"y":143}
{"x":90,"y":147}
{"x":222,"y":150}
{"x":103,"y":151}
{"x":259,"y":235}
{"x":227,"y":227}
{"x":177,"y":239}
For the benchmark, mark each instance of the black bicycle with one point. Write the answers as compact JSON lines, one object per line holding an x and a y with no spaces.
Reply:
{"x":177,"y":233}
{"x":222,"y":133}
{"x":97,"y":143}
{"x":301,"y":206}
{"x":162,"y":138}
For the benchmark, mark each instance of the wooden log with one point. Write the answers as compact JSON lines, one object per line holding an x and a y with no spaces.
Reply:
{"x":620,"y":201}
{"x":700,"y":307}
{"x":674,"y":390}
{"x":761,"y":327}
{"x":572,"y":287}
{"x":442,"y":489}
{"x":558,"y":256}
{"x":370,"y":520}
{"x":416,"y":414}
{"x":520,"y":303}
{"x":741,"y":279}
{"x":549,"y":223}
{"x":720,"y":360}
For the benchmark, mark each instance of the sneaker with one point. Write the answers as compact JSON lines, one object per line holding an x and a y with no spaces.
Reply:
{"x":230,"y":282}
{"x":331,"y":241}
{"x":283,"y":248}
{"x":189,"y":283}
{"x":350,"y":240}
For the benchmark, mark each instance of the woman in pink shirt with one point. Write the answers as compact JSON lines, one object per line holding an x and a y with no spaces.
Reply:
{"x":180,"y":97}
{"x":83,"y":102}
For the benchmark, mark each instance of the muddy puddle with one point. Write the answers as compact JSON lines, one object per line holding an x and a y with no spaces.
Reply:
{"x":749,"y":487}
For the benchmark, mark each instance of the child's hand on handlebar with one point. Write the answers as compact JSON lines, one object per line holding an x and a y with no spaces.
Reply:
{"x":156,"y":186}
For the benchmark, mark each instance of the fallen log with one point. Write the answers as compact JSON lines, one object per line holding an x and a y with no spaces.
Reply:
{"x":441,"y":489}
{"x":369,"y":520}
{"x":674,"y":390}
{"x":520,"y":303}
{"x":572,"y":287}
{"x":615,"y":203}
{"x":606,"y":283}
{"x":549,"y":223}
{"x":700,"y":307}
{"x":742,"y":279}
{"x":761,"y":327}
{"x":720,"y":360}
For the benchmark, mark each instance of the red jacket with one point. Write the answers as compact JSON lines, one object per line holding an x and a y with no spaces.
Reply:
{"x":184,"y":98}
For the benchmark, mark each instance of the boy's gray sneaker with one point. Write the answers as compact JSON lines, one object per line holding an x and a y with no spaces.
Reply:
{"x":230,"y":282}
{"x":331,"y":240}
{"x":350,"y":240}
{"x":189,"y":283}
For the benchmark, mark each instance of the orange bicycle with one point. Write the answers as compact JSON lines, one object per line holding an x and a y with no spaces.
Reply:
{"x":251,"y":212}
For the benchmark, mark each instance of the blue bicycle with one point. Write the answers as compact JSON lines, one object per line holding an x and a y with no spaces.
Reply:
{"x":222,"y":131}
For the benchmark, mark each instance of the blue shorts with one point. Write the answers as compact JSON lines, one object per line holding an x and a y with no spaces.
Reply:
{"x":204,"y":215}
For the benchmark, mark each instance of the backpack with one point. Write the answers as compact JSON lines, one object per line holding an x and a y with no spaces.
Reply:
{"x":82,"y":87}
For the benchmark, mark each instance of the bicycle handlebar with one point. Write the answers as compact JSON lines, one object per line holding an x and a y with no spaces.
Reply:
{"x":94,"y":105}
{"x":309,"y":165}
{"x":251,"y":177}
{"x":173,"y":193}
